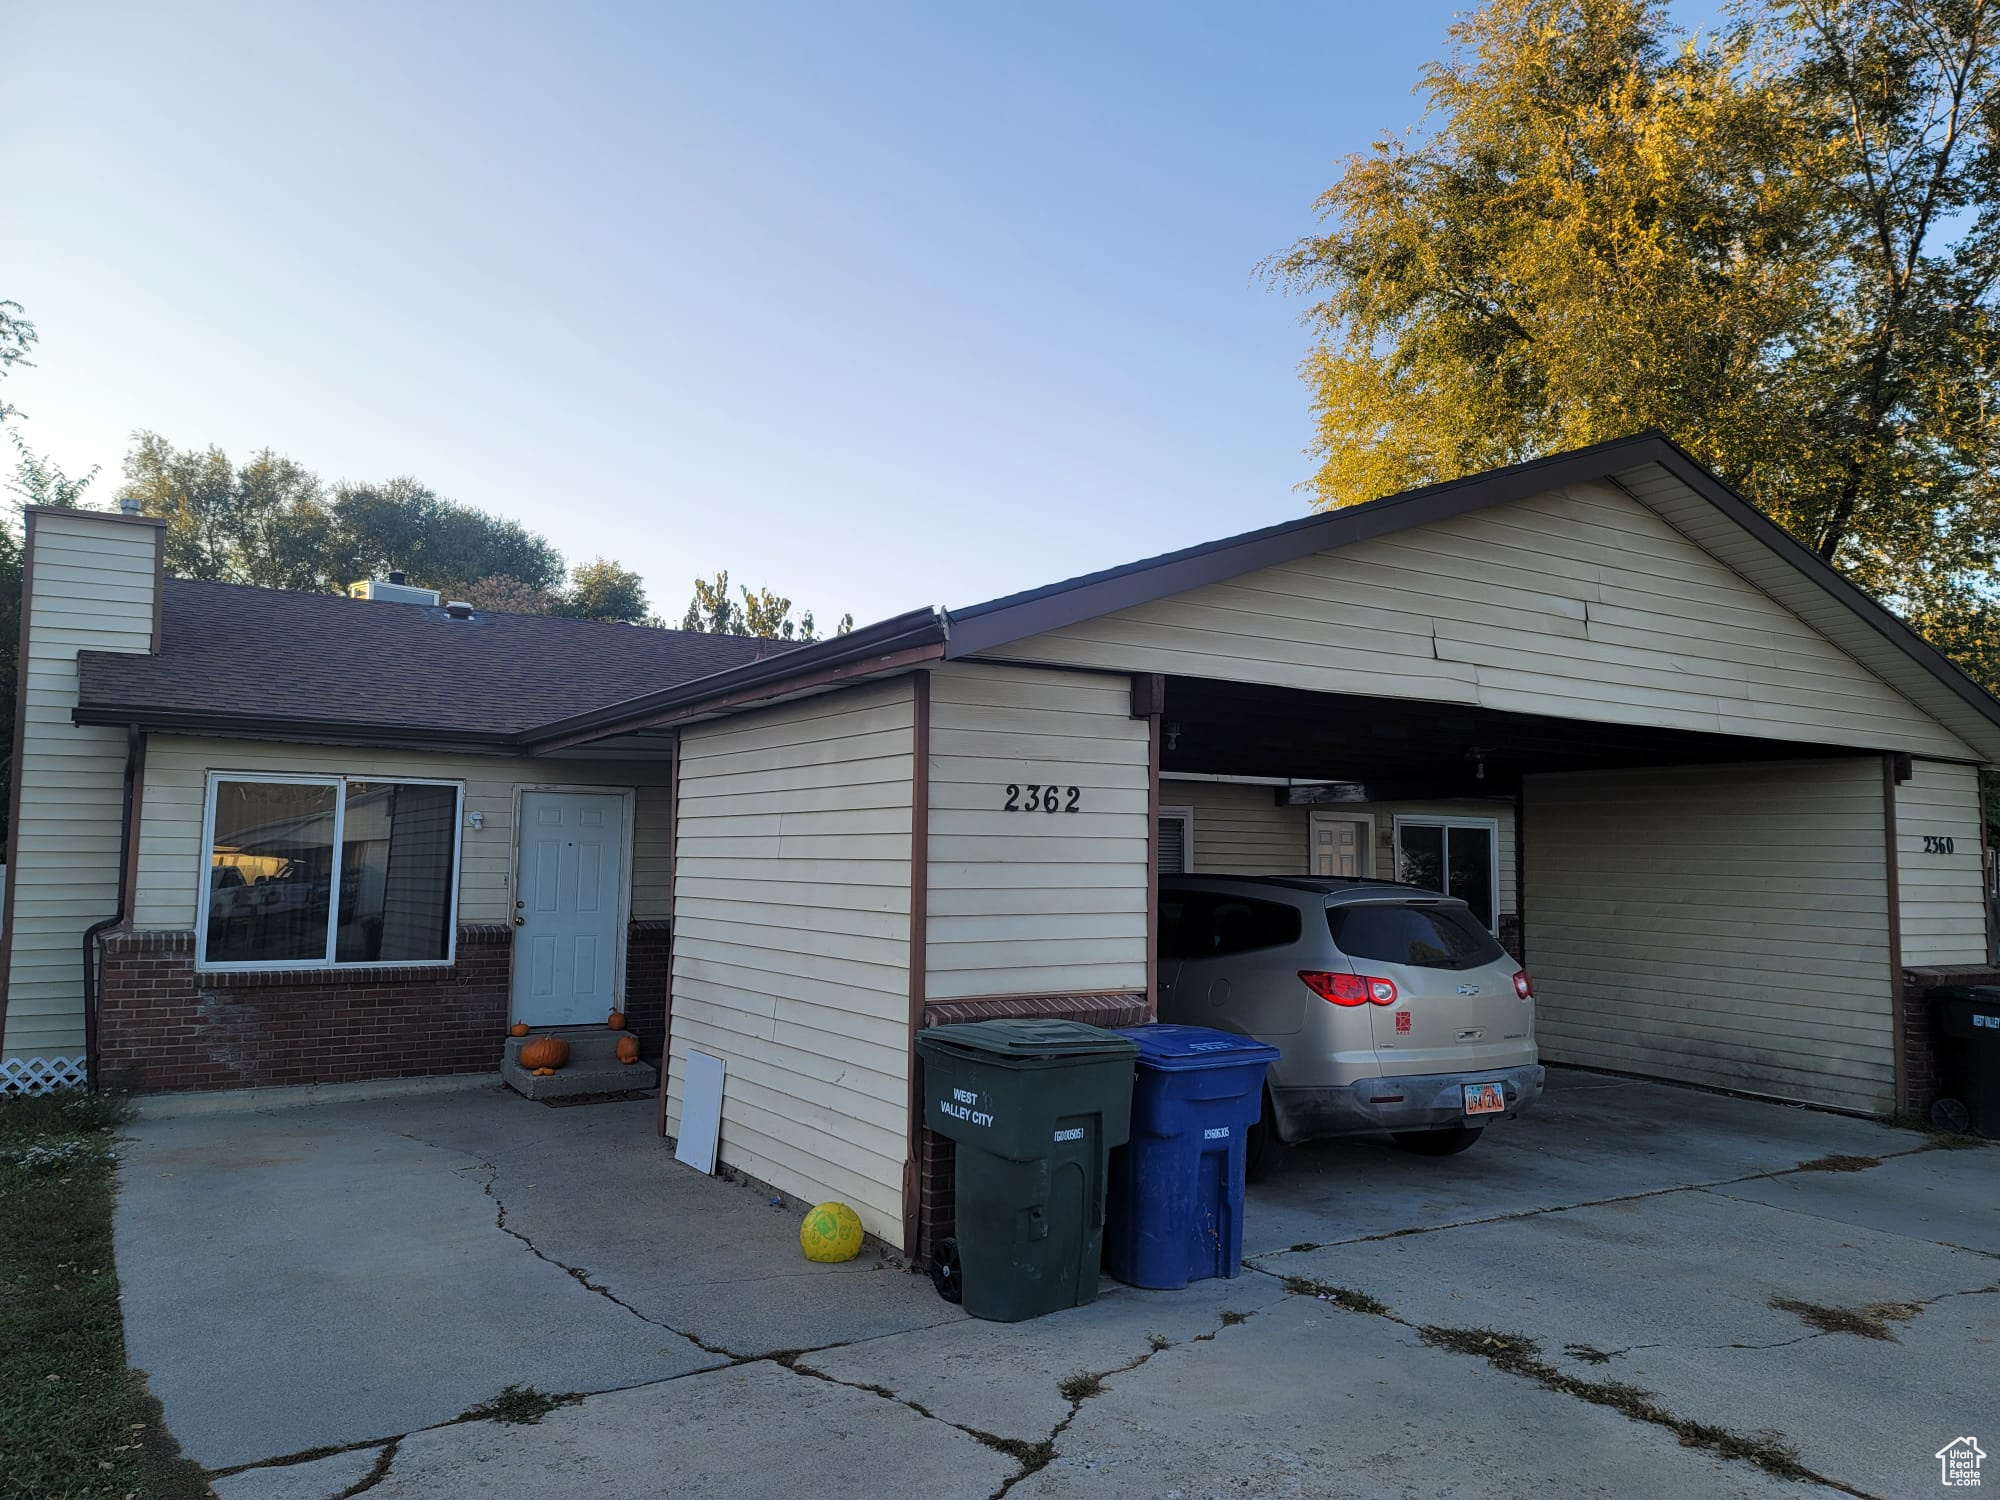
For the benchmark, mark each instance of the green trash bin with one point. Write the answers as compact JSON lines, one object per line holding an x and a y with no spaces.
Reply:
{"x":1968,"y":1031}
{"x":1034,"y":1108}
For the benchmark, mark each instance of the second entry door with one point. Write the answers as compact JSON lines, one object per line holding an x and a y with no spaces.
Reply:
{"x":1339,"y":845}
{"x":567,"y":893}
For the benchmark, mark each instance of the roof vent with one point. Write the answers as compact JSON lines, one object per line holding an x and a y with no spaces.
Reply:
{"x":394,"y":591}
{"x":458,"y":609}
{"x":397,"y":575}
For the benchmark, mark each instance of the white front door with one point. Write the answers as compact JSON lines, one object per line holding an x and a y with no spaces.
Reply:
{"x":568,"y":885}
{"x":1339,"y":846}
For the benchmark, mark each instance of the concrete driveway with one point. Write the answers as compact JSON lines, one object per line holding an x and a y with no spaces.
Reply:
{"x":1638,"y":1290}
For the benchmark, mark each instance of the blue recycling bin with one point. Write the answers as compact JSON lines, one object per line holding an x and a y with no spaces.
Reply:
{"x":1175,"y":1207}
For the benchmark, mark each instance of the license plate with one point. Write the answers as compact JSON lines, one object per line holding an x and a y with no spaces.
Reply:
{"x":1485,"y":1099}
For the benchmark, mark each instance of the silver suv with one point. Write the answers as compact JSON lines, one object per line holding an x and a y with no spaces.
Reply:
{"x":1391,"y":1007}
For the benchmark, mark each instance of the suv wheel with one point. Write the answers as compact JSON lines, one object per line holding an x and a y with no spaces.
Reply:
{"x":1446,"y":1142}
{"x":1262,"y":1150}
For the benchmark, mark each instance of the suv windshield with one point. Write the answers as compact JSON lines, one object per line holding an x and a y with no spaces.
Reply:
{"x":1422,"y":937}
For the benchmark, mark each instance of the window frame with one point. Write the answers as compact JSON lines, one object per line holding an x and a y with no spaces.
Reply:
{"x":1447,"y":823}
{"x":339,"y":782}
{"x":1183,"y":814}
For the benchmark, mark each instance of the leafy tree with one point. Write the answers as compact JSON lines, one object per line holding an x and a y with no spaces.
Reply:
{"x":271,"y":522}
{"x":441,"y":544}
{"x":39,"y":480}
{"x":601,"y":590}
{"x":763,"y":613}
{"x":213,"y":530}
{"x":1779,"y":244}
{"x":510,"y":596}
{"x":712,"y":610}
{"x":17,"y":336}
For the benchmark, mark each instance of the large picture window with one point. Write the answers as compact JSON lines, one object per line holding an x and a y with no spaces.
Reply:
{"x":312,"y":872}
{"x":1460,"y":857}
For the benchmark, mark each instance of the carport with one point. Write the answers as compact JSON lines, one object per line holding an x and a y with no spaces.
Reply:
{"x":1734,"y":802}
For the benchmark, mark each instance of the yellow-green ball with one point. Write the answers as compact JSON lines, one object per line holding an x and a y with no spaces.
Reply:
{"x":831,"y":1232}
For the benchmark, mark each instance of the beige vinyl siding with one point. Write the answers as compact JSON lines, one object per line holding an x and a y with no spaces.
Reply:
{"x":1720,"y":925}
{"x":1580,"y":603}
{"x":1035,"y":903}
{"x":792,"y":941}
{"x":1241,"y":829}
{"x":1942,"y":898}
{"x":91,"y":590}
{"x":172,"y":862}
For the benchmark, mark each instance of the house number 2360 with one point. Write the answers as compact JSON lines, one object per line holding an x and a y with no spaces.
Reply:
{"x":1934,"y":844}
{"x":1046,"y":799}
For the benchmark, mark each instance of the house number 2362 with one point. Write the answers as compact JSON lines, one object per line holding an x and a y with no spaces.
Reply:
{"x":1036,"y":798}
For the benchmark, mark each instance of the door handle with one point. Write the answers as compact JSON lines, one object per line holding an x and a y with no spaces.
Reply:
{"x":520,"y":921}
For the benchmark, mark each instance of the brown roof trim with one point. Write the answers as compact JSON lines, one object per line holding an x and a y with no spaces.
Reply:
{"x":1808,"y":565}
{"x":1037,"y":611}
{"x":900,"y":641}
{"x":95,"y":515}
{"x":309,"y":731}
{"x":1055,"y":605}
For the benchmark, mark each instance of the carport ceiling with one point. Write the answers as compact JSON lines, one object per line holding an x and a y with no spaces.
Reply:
{"x":1402,"y":749}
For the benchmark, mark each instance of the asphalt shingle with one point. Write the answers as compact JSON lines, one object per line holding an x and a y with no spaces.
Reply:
{"x":294,"y":658}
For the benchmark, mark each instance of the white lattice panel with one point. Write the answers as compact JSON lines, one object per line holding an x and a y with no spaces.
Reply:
{"x":39,"y":1075}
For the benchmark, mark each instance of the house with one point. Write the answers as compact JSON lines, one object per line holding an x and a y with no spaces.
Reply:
{"x":1726,"y":808}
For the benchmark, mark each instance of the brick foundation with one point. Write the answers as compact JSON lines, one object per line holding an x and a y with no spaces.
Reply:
{"x":648,"y":1002}
{"x":163,"y":1027}
{"x":936,"y":1172}
{"x":1917,"y":1090}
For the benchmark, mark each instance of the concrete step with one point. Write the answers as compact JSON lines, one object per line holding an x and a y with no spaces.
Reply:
{"x":593,"y":1066}
{"x":588,"y":1045}
{"x":574,"y":1082}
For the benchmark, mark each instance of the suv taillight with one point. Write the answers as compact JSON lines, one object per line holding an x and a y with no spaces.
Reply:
{"x":1523,"y":985}
{"x":1349,"y":989}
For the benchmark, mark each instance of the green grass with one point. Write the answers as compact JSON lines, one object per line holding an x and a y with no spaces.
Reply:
{"x":75,"y":1424}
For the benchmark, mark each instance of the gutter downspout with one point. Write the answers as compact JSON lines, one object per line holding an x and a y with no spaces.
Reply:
{"x":117,"y":918}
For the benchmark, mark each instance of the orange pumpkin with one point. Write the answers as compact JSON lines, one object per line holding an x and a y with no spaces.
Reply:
{"x":549,"y":1052}
{"x":542,"y":1072}
{"x":616,"y":1020}
{"x":628,"y":1048}
{"x":519,"y":1028}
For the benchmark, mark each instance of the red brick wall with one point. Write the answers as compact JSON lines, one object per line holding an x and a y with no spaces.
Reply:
{"x":936,"y":1168}
{"x":1918,"y":1088}
{"x":647,"y":1002}
{"x":161,"y":1026}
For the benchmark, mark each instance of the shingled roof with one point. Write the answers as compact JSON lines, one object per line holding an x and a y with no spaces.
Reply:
{"x":235,"y":659}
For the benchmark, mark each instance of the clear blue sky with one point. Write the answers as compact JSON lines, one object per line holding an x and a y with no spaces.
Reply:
{"x":878,"y":306}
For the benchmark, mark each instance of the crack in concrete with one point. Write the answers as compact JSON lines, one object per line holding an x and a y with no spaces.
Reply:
{"x":1915,"y":1305}
{"x":376,"y":1475}
{"x":582,"y":1276}
{"x":1612,"y":1394}
{"x":1794,"y":1208}
{"x":1806,"y":1168}
{"x":1045,"y":1451}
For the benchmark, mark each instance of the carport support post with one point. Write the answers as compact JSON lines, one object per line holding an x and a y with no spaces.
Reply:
{"x":920,"y":894}
{"x":673,"y":916}
{"x":1149,"y":702}
{"x":1895,"y":768}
